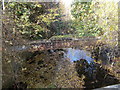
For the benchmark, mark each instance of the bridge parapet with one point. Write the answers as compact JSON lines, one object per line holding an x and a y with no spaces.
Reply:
{"x":55,"y":44}
{"x":46,"y":45}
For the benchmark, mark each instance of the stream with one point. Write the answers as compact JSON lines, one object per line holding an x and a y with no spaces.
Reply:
{"x":61,"y":68}
{"x":77,"y":54}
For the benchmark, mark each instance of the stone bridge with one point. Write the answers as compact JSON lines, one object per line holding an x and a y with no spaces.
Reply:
{"x":58,"y":44}
{"x":55,"y":44}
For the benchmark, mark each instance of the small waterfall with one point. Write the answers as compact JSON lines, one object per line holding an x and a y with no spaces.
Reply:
{"x":77,"y":54}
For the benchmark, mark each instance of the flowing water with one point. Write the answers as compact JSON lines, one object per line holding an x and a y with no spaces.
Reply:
{"x":77,"y":54}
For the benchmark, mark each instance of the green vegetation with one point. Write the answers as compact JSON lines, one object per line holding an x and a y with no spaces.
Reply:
{"x":85,"y":20}
{"x":35,"y":20}
{"x":44,"y":20}
{"x":23,"y":22}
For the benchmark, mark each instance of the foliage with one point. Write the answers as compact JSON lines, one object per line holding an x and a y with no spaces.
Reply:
{"x":85,"y":20}
{"x":43,"y":20}
{"x":108,"y":19}
{"x":47,"y":70}
{"x":35,"y":20}
{"x":39,"y":71}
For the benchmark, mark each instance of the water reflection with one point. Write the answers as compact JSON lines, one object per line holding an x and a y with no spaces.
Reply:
{"x":77,"y":54}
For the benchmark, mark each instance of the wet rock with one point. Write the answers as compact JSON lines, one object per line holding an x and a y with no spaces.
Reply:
{"x":95,"y":74}
{"x":50,"y":51}
{"x":103,"y":53}
{"x":19,"y":86}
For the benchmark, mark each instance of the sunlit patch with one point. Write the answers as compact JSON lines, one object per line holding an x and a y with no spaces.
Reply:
{"x":76,"y":54}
